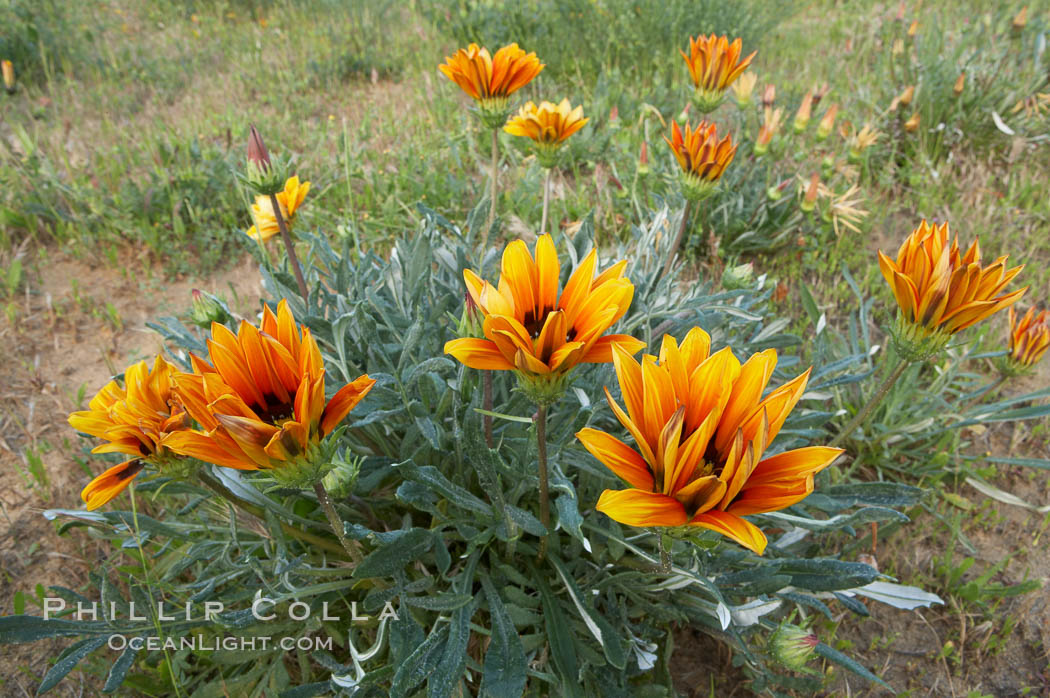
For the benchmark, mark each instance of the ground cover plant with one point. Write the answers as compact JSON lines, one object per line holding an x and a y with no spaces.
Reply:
{"x":587,"y":350}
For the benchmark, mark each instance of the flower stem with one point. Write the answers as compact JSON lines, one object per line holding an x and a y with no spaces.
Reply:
{"x":492,"y":192}
{"x":546,"y":200}
{"x":351,"y":547}
{"x":665,"y":554}
{"x":486,"y":382}
{"x":541,"y":446}
{"x":880,"y":393}
{"x":678,"y":238}
{"x":257,"y":511}
{"x":286,"y":237}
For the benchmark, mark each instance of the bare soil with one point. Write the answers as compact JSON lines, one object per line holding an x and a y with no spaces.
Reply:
{"x":68,"y":345}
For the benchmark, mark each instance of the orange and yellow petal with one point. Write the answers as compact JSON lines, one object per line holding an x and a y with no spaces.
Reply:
{"x":345,"y":399}
{"x":733,"y":527}
{"x":618,"y":457}
{"x":111,"y":483}
{"x":638,"y":508}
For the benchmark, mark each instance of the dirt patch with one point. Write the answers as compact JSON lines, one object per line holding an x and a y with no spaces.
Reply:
{"x":76,"y":324}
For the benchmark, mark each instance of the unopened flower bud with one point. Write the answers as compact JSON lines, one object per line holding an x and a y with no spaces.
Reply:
{"x":261,"y":174}
{"x":907,"y":96}
{"x":614,"y":114}
{"x":9,"y":75}
{"x":804,"y":112}
{"x":257,"y":153}
{"x":643,"y":160}
{"x":960,"y":84}
{"x":1020,"y":20}
{"x":471,"y":321}
{"x":207,"y":309}
{"x":340,"y":480}
{"x":819,"y":93}
{"x":792,"y":646}
{"x":769,"y":95}
{"x":914,"y":28}
{"x":912,"y":124}
{"x":809,"y":201}
{"x":827,"y":122}
{"x":738,"y":277}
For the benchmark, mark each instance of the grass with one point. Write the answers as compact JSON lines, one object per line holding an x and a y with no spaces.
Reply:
{"x":130,"y":119}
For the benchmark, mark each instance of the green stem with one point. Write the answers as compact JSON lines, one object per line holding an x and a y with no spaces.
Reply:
{"x":257,"y":511}
{"x":546,"y":200}
{"x":494,"y":172}
{"x":665,"y":554}
{"x":541,"y":444}
{"x":146,"y":571}
{"x":486,"y":382}
{"x":678,"y":238}
{"x":351,"y":547}
{"x":880,"y":393}
{"x":286,"y":237}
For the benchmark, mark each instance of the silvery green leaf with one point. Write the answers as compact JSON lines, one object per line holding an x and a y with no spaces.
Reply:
{"x":896,"y":595}
{"x":999,"y":495}
{"x":1000,"y":124}
{"x":749,"y":613}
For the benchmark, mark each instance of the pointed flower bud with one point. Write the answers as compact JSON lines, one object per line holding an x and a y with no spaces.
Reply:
{"x":643,"y":160}
{"x":912,"y":124}
{"x":809,"y":201}
{"x":261,"y":174}
{"x":914,"y":28}
{"x":819,"y":93}
{"x":257,"y":153}
{"x":1020,"y":20}
{"x":960,"y":84}
{"x":9,"y":75}
{"x":827,"y":122}
{"x":769,"y":95}
{"x":805,"y":111}
{"x":907,"y":96}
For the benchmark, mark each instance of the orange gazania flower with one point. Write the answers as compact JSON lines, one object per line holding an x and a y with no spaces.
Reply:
{"x":700,"y":427}
{"x":1029,"y":337}
{"x":288,"y":200}
{"x":941,"y":290}
{"x":490,"y":80}
{"x":133,"y":420}
{"x":701,"y":155}
{"x":548,"y":125}
{"x":714,"y":64}
{"x":531,"y":328}
{"x":260,"y":401}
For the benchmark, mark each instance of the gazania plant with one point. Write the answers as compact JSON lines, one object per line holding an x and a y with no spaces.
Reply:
{"x":526,"y":480}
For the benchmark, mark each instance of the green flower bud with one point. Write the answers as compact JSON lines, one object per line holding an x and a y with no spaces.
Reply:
{"x":792,"y":646}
